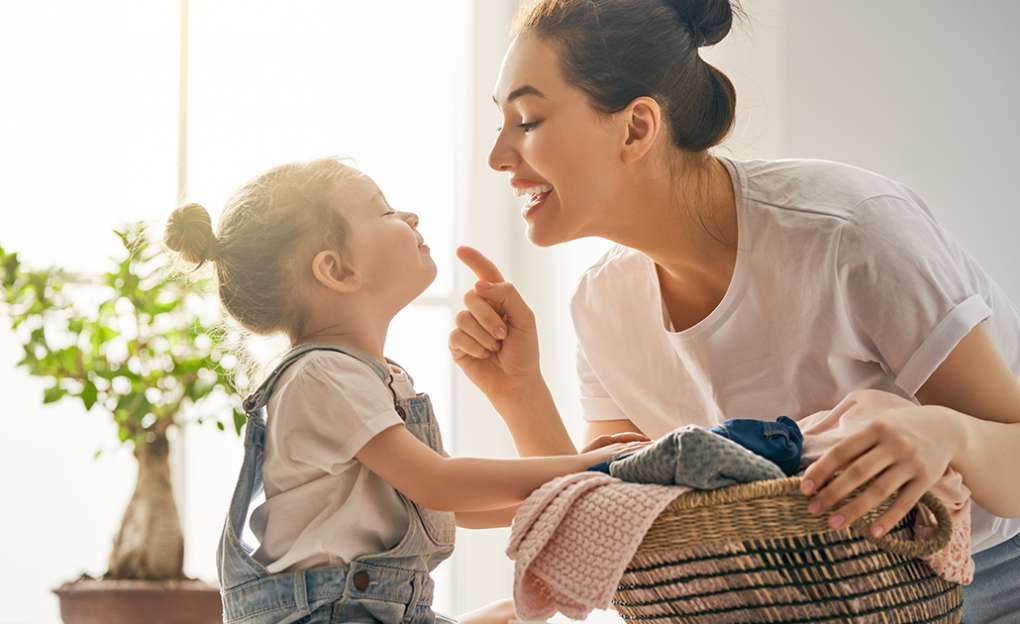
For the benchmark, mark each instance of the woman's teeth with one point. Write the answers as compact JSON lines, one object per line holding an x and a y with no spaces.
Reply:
{"x":532,"y":190}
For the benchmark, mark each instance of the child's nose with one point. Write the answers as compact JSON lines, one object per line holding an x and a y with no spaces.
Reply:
{"x":411,"y":218}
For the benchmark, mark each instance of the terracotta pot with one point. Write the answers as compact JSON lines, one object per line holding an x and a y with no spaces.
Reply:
{"x":90,"y":601}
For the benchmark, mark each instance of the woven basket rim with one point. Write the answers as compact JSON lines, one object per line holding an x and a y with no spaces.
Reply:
{"x":772,"y":488}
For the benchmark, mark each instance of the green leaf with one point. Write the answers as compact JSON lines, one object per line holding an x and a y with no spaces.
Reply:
{"x":239,"y":421}
{"x":89,"y":394}
{"x":10,"y":268}
{"x":219,"y":425}
{"x":54,"y":394}
{"x":69,"y":360}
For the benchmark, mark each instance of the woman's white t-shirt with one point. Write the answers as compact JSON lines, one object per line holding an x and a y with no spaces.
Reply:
{"x":323,"y":507}
{"x":843,"y":280}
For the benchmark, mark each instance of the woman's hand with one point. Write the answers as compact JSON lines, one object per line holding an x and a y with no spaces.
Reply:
{"x":495,"y":342}
{"x":604,"y":440}
{"x":609,"y":451}
{"x":902,"y":452}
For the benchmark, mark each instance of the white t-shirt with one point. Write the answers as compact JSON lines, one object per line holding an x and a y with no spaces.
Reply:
{"x":843,"y":281}
{"x":323,"y":507}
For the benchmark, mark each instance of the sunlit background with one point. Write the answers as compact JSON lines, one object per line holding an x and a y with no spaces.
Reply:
{"x":117,"y":110}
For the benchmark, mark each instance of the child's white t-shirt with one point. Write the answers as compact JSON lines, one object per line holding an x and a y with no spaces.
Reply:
{"x":843,"y":280}
{"x":323,"y":507}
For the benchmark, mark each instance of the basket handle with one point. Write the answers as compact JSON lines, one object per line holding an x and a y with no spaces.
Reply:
{"x":913,"y":548}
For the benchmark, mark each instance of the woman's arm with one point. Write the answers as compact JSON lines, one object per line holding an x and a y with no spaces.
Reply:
{"x":596,"y":429}
{"x":492,"y":519}
{"x":981,"y":401}
{"x":970,"y":421}
{"x":466,"y":483}
{"x":534,"y":422}
{"x":495,"y":344}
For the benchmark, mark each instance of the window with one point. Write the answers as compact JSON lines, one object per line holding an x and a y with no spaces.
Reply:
{"x":91,"y":132}
{"x":272,"y":82}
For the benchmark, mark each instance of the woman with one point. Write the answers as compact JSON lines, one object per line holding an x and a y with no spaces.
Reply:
{"x":739,"y":289}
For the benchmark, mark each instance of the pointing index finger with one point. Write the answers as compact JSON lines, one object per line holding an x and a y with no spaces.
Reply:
{"x":483,"y":268}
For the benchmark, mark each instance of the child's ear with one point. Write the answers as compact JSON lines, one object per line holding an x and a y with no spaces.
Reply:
{"x":331,"y":270}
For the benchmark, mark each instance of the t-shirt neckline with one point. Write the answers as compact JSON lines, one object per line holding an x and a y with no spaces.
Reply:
{"x":734,"y":292}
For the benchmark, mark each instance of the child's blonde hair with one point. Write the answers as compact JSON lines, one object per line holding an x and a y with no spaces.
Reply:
{"x":268,"y":227}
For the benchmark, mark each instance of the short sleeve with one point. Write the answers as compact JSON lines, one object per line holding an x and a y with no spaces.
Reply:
{"x":328,"y":410}
{"x":909,"y":289}
{"x":596,"y":404}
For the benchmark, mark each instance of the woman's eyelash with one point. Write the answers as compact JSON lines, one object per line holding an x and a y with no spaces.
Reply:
{"x":526,"y":127}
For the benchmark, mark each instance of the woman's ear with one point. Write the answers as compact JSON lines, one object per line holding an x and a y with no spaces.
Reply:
{"x":331,"y":271}
{"x":643,"y":119}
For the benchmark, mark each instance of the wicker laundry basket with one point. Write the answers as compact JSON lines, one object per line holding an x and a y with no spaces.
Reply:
{"x":753,"y":553}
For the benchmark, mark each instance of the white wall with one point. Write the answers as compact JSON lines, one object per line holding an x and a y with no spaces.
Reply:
{"x":924,"y":91}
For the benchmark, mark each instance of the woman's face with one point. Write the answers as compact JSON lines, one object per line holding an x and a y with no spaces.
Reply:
{"x":561,"y":155}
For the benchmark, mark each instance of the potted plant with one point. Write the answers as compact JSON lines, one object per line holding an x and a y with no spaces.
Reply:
{"x":147,"y":355}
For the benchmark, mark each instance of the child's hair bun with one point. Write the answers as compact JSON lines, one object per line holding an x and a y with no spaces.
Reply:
{"x":189,"y":232}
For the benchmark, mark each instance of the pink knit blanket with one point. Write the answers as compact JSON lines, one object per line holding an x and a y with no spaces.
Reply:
{"x":574,"y":536}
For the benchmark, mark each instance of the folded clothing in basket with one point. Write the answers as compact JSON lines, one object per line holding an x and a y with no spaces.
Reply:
{"x":574,"y":536}
{"x":823,"y":430}
{"x":695,"y":457}
{"x":779,"y":441}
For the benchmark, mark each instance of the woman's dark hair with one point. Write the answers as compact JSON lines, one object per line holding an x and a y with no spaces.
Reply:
{"x":619,"y":50}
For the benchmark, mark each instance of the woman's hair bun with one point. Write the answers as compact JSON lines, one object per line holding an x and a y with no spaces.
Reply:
{"x":707,"y":20}
{"x":189,"y":232}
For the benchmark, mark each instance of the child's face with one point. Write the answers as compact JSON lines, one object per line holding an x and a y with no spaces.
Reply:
{"x":385,"y":247}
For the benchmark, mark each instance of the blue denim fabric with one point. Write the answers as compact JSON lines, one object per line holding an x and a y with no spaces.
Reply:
{"x":604,"y":466}
{"x":389,"y":587}
{"x":780,"y":441}
{"x":994,"y":596}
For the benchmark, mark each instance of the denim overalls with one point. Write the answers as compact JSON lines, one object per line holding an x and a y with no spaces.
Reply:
{"x":389,"y":587}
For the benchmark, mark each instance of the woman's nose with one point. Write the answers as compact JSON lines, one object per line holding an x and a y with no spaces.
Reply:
{"x":502,"y":157}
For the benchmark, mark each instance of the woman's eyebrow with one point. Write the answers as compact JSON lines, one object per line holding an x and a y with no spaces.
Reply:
{"x":519,"y":92}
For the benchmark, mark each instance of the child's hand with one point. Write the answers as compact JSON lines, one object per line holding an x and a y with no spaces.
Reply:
{"x":603,"y":440}
{"x":495,"y":342}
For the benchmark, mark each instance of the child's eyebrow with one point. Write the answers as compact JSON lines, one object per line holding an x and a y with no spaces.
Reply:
{"x":380,"y":195}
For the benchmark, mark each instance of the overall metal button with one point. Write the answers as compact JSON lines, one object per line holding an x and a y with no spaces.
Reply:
{"x":361,"y":580}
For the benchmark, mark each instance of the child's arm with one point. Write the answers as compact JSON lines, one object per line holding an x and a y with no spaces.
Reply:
{"x":504,"y":517}
{"x":466,"y":483}
{"x":492,"y":519}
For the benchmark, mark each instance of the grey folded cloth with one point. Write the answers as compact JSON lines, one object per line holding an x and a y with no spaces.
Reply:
{"x":695,"y":457}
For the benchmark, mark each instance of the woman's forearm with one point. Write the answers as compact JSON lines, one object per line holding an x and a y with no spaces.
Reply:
{"x":988,"y":458}
{"x":491,"y":519}
{"x":533,"y":420}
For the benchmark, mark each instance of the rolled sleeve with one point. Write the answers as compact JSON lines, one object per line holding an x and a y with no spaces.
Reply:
{"x":909,"y":288}
{"x":941,"y":342}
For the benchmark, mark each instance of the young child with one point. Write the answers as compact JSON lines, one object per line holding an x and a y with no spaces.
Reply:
{"x":361,"y":499}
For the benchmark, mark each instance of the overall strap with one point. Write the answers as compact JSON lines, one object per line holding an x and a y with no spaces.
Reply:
{"x":258,"y":399}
